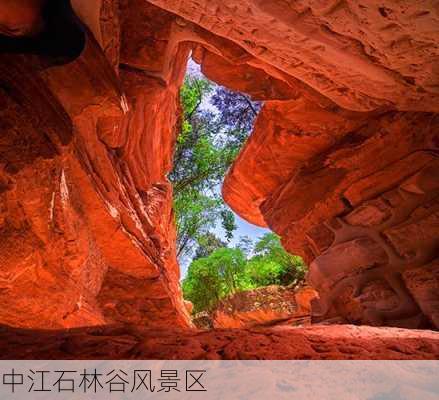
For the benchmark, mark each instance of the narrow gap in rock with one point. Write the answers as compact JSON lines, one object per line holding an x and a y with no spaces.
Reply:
{"x":234,"y":274}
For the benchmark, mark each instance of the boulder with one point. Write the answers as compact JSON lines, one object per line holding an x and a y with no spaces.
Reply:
{"x":271,"y":305}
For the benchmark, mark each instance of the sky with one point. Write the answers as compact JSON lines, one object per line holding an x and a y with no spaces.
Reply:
{"x":244,"y":228}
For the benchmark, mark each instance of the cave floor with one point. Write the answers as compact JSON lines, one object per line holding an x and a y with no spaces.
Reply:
{"x":133,"y":342}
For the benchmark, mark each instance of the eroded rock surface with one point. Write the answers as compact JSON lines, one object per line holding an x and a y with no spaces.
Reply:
{"x":339,"y":342}
{"x":271,"y":305}
{"x":342,"y":162}
{"x":360,"y":208}
{"x":354,"y":193}
{"x":360,"y":54}
{"x":87,"y":231}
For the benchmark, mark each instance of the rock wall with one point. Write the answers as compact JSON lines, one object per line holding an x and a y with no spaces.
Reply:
{"x":360,"y":54}
{"x":361,"y":212}
{"x":342,"y":162}
{"x":86,"y":224}
{"x":266,"y":306}
{"x":354,"y":193}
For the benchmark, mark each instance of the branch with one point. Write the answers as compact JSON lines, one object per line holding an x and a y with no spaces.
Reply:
{"x":183,"y":245}
{"x":200,"y":100}
{"x":249,"y":103}
{"x":180,"y":186}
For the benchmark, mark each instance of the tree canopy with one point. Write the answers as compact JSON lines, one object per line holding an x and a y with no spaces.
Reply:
{"x":228,"y":270}
{"x":271,"y":264}
{"x":214,"y":125}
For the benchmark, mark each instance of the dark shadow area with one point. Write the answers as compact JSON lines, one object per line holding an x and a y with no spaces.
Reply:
{"x":60,"y":39}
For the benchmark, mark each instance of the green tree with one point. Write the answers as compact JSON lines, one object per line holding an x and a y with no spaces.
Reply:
{"x":196,"y":214}
{"x":207,"y":244}
{"x":226,"y":271}
{"x":230,"y":264}
{"x":205,"y":150}
{"x":202,"y":285}
{"x":207,"y":144}
{"x":245,"y":244}
{"x":272,"y":264}
{"x":211,"y":278}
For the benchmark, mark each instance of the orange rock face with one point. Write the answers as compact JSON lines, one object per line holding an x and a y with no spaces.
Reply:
{"x":335,"y":342}
{"x":21,"y":17}
{"x":356,"y":196}
{"x":87,"y":231}
{"x":354,"y":193}
{"x":360,"y":54}
{"x":342,"y":162}
{"x":266,"y":306}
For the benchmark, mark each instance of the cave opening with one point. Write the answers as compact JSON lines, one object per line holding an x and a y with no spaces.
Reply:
{"x":226,"y":262}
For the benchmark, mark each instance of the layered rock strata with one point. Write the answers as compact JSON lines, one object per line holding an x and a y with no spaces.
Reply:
{"x":335,"y":342}
{"x":266,"y":306}
{"x":342,"y":163}
{"x":87,"y":234}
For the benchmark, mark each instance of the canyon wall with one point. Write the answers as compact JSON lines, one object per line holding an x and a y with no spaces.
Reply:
{"x":351,"y":184}
{"x":87,"y":234}
{"x":342,"y":163}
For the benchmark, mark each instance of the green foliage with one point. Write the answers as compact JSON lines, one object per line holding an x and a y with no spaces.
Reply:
{"x":192,"y":93}
{"x":245,"y":244}
{"x":272,"y":263}
{"x":207,"y":244}
{"x":203,"y":154}
{"x":202,"y":285}
{"x":226,"y":271}
{"x":206,"y":146}
{"x":211,"y":278}
{"x":264,"y":272}
{"x":196,"y":213}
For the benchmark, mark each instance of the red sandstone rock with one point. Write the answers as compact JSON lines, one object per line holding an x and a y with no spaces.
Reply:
{"x":21,"y":17}
{"x":340,"y":342}
{"x":337,"y":207}
{"x":342,"y":164}
{"x":269,"y":305}
{"x":285,"y":135}
{"x":189,"y":306}
{"x":342,"y":189}
{"x":87,"y":235}
{"x":360,"y":54}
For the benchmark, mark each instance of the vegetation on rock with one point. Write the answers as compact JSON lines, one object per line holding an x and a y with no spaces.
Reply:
{"x":215,"y":124}
{"x":229,"y":270}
